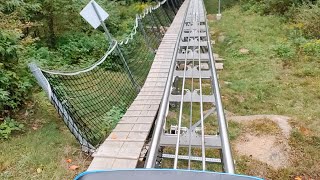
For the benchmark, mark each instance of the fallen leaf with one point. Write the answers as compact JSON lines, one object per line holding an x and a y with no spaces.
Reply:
{"x":113,"y":136}
{"x":34,"y":128}
{"x":69,"y":160}
{"x":73,"y":167}
{"x":298,"y":178}
{"x":304,"y":131}
{"x":39,"y":170}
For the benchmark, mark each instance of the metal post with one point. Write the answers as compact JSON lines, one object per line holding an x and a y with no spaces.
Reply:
{"x":41,"y":79}
{"x":106,"y":31}
{"x":219,"y":11}
{"x":109,"y":37}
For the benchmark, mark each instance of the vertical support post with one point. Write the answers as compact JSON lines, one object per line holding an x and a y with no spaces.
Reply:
{"x":219,"y":11}
{"x":41,"y":79}
{"x":106,"y":31}
{"x":109,"y":37}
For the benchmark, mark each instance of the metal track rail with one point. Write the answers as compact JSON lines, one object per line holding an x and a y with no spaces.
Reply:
{"x":191,"y":104}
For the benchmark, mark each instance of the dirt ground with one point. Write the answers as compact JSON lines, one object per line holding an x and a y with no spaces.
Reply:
{"x":269,"y":146}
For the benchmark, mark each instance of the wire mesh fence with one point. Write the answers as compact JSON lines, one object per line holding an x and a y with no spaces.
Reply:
{"x":91,"y":101}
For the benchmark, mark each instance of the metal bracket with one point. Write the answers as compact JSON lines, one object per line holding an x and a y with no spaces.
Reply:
{"x":192,"y":158}
{"x":212,"y":141}
{"x":192,"y":97}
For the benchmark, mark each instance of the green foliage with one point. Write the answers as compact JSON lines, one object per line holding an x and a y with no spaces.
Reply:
{"x":284,"y":50}
{"x":111,"y":119}
{"x":23,"y":8}
{"x":212,"y":5}
{"x":263,"y":84}
{"x":312,"y":48}
{"x":8,"y":126}
{"x":308,"y":19}
{"x":234,"y":130}
{"x":285,"y":7}
{"x":81,"y":49}
{"x":15,"y":82}
{"x":53,"y":34}
{"x":113,"y":116}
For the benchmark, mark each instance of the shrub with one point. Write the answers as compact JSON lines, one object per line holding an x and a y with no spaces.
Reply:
{"x":79,"y":48}
{"x":109,"y":122}
{"x":284,"y":50}
{"x":8,"y":126}
{"x":271,"y":6}
{"x":308,"y":17}
{"x":15,"y":80}
{"x":312,"y":48}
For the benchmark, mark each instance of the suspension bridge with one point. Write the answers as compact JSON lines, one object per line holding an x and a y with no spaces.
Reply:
{"x":151,"y":102}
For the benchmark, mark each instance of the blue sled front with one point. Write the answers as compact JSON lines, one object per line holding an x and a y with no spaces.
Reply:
{"x":160,"y":174}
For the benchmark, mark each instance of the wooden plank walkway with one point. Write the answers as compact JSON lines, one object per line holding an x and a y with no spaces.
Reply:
{"x":123,"y":146}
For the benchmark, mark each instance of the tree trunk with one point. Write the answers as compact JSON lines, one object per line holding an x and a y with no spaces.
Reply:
{"x":52,"y":36}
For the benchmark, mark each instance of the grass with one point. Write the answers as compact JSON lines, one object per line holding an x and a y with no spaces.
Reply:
{"x":269,"y":80}
{"x":264,"y":127}
{"x":42,"y":150}
{"x":91,"y":96}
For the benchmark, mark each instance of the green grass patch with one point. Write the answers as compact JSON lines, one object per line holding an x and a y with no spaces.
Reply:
{"x":41,"y":151}
{"x":275,"y":77}
{"x":263,"y":127}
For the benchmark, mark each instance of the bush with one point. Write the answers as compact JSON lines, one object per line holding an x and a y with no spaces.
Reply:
{"x":271,"y":6}
{"x":8,"y":127}
{"x":312,"y":48}
{"x":212,"y":5}
{"x":79,"y":48}
{"x":308,"y":17}
{"x":284,"y":50}
{"x":15,"y":80}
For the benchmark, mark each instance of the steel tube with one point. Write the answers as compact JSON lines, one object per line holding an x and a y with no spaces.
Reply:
{"x":226,"y":149}
{"x":203,"y":149}
{"x":191,"y":104}
{"x":219,"y":8}
{"x":109,"y":37}
{"x":175,"y":164}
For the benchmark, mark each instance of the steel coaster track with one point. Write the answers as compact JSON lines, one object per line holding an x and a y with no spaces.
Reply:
{"x":193,"y":61}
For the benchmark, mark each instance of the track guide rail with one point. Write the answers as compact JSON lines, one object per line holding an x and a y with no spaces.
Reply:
{"x":192,"y":89}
